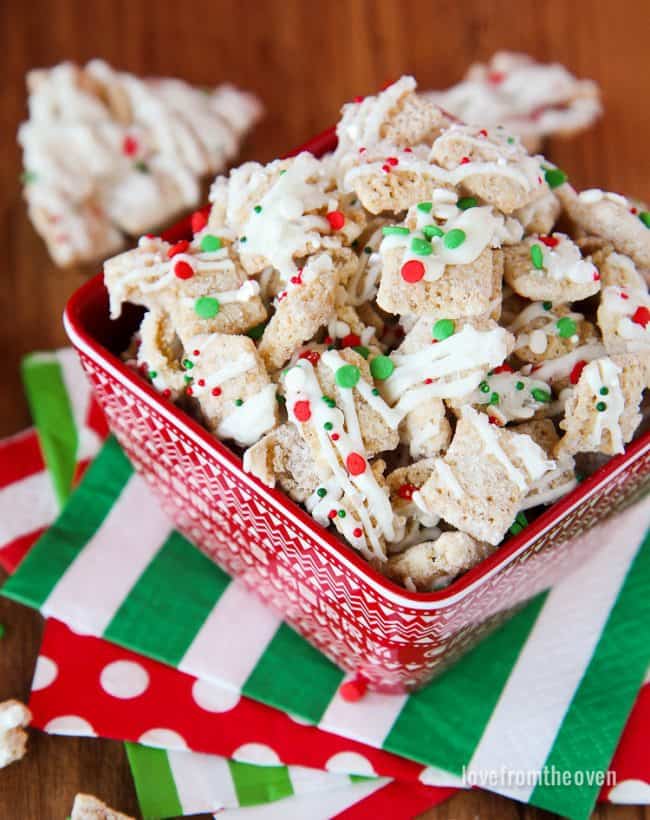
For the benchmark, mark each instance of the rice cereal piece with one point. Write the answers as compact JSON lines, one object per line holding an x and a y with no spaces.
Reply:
{"x":306,"y":305}
{"x":282,"y":457}
{"x":425,"y":429}
{"x":231,"y":387}
{"x":602,"y":414}
{"x":617,"y":269}
{"x":624,"y":319}
{"x":14,"y":717}
{"x":508,"y":395}
{"x":556,"y":483}
{"x":546,"y":331}
{"x":479,"y":485}
{"x":432,"y":565}
{"x":550,"y":268}
{"x":540,"y":215}
{"x":160,"y":351}
{"x":489,"y":164}
{"x":89,"y":807}
{"x":612,"y":217}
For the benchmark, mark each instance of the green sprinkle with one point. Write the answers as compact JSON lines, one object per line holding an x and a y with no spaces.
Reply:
{"x":566,"y":327}
{"x":520,"y":518}
{"x":519,"y":386}
{"x":484,"y":387}
{"x":541,"y":395}
{"x":374,"y":391}
{"x":395,"y":230}
{"x":381,"y":367}
{"x":432,"y":230}
{"x":515,"y":529}
{"x":467,"y":202}
{"x":367,"y":250}
{"x":188,"y":364}
{"x":518,"y":524}
{"x":281,"y":399}
{"x":425,"y":207}
{"x":341,"y":513}
{"x":206,"y":307}
{"x":555,"y":177}
{"x":644,"y":216}
{"x":421,"y":246}
{"x":282,"y":172}
{"x":443,"y":329}
{"x":152,"y":374}
{"x":258,"y":209}
{"x":454,"y":238}
{"x":188,"y":379}
{"x":510,"y":140}
{"x":537,"y":257}
{"x":256,"y":332}
{"x":347,"y":376}
{"x":141,"y":166}
{"x":239,"y":402}
{"x":243,"y":239}
{"x":547,"y":305}
{"x":601,"y":407}
{"x":604,"y":391}
{"x":27,"y":177}
{"x":321,"y":492}
{"x":329,"y":401}
{"x":361,"y":350}
{"x":210,"y":243}
{"x":328,"y":425}
{"x":494,"y":398}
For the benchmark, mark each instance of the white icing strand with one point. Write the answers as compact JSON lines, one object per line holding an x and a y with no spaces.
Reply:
{"x":248,"y":422}
{"x":448,"y":479}
{"x":564,"y":261}
{"x":603,"y":373}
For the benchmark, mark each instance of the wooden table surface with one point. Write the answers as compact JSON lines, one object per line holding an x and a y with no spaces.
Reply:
{"x":303,"y":59}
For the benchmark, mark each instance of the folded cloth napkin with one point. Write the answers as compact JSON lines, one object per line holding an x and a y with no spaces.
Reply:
{"x":574,"y":728}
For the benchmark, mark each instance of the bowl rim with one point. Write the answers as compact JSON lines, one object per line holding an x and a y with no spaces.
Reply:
{"x":83,"y":340}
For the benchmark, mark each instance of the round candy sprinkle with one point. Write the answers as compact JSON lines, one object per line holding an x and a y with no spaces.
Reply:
{"x":302,"y":411}
{"x":216,"y":391}
{"x":347,"y":376}
{"x":601,"y":407}
{"x":129,"y":146}
{"x":351,"y":340}
{"x":329,"y":401}
{"x":321,"y":492}
{"x":381,"y":367}
{"x":374,"y":391}
{"x":395,"y":230}
{"x":331,"y":514}
{"x":239,"y":402}
{"x":432,"y":230}
{"x":641,"y":316}
{"x":183,"y":270}
{"x":258,"y":209}
{"x":179,"y":247}
{"x":367,"y":250}
{"x":166,"y":393}
{"x":494,"y":398}
{"x":566,"y":327}
{"x":201,"y":382}
{"x":210,"y":243}
{"x":357,"y":532}
{"x":421,"y":246}
{"x":644,"y":216}
{"x":198,"y":221}
{"x":549,"y":241}
{"x":206,"y":307}
{"x":361,"y":350}
{"x":484,"y":387}
{"x":342,"y":513}
{"x":604,"y":391}
{"x":454,"y":238}
{"x":188,"y":364}
{"x":335,"y":436}
{"x":328,"y":425}
{"x":537,"y":257}
{"x":406,"y":491}
{"x":425,"y":207}
{"x":547,"y":305}
{"x":336,"y":220}
{"x":466,"y":202}
{"x":503,"y":368}
{"x":443,"y":329}
{"x":141,"y":166}
{"x":519,"y":386}
{"x":541,"y":395}
{"x":356,"y":464}
{"x":412,"y":271}
{"x":554,"y":177}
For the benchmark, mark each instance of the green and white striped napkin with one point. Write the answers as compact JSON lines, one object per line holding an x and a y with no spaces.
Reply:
{"x":552,"y":688}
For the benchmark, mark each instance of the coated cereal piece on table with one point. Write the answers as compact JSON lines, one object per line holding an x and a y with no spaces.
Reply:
{"x":559,"y":481}
{"x":89,"y":807}
{"x":480,"y":484}
{"x":434,"y":564}
{"x":160,"y":353}
{"x":230,"y":385}
{"x":282,"y":457}
{"x":550,"y":268}
{"x":602,"y":414}
{"x":544,"y":331}
{"x":14,"y":717}
{"x":613,"y":217}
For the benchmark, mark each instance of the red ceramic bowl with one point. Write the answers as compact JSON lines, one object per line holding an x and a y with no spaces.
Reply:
{"x":397,"y":640}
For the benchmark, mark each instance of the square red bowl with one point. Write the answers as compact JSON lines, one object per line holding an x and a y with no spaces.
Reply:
{"x":397,"y":640}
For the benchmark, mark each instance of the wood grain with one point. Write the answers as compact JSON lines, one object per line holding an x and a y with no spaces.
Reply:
{"x":303,"y":59}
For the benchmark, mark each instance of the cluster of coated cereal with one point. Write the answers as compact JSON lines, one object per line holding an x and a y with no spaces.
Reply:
{"x":412,"y":336}
{"x":107,"y":153}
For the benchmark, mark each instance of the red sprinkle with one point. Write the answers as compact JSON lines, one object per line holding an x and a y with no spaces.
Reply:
{"x":549,"y":241}
{"x":353,"y":690}
{"x":180,"y":247}
{"x":311,"y":355}
{"x":624,"y":296}
{"x":216,"y":391}
{"x":336,"y":220}
{"x":183,"y":270}
{"x":482,"y":133}
{"x":428,"y":381}
{"x":356,"y":464}
{"x":406,"y":491}
{"x":362,"y":150}
{"x":392,"y":160}
{"x":129,"y":146}
{"x":386,"y":168}
{"x":296,"y":280}
{"x":335,"y":437}
{"x":496,"y":77}
{"x":634,"y":210}
{"x":351,"y":340}
{"x":494,"y":420}
{"x":328,"y":340}
{"x":357,"y":532}
{"x":465,"y":160}
{"x":412,"y":271}
{"x":302,"y":410}
{"x":201,"y":382}
{"x":641,"y":316}
{"x":576,"y":372}
{"x":358,"y":99}
{"x":198,"y":221}
{"x":196,"y":352}
{"x":596,"y":276}
{"x":503,"y":368}
{"x":166,"y":393}
{"x":331,"y":514}
{"x":408,"y":150}
{"x":189,"y":391}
